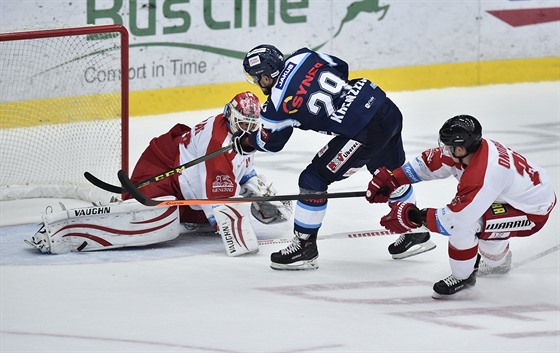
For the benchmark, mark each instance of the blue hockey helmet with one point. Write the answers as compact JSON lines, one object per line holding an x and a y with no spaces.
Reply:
{"x":461,"y":130}
{"x":263,"y":60}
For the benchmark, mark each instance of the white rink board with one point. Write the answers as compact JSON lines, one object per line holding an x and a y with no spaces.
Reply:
{"x":194,"y":43}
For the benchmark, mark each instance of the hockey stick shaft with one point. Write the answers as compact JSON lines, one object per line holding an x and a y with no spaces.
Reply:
{"x":536,"y":256}
{"x":129,"y":186}
{"x":342,"y":235}
{"x":119,"y":190}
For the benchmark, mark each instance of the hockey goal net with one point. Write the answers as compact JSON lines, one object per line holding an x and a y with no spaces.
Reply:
{"x":63,"y":111}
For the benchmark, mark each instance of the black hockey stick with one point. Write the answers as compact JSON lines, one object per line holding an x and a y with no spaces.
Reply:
{"x":119,"y":190}
{"x":131,"y":188}
{"x":536,"y":256}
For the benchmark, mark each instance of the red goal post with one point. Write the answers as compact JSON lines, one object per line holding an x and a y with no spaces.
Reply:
{"x":63,"y":111}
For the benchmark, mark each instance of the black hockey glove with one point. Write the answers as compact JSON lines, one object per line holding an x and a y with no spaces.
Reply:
{"x":239,"y":142}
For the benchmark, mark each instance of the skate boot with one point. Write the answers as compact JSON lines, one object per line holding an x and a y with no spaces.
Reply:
{"x":300,"y":255}
{"x":411,"y":244}
{"x":40,"y":240}
{"x":484,"y":269}
{"x":452,"y":285}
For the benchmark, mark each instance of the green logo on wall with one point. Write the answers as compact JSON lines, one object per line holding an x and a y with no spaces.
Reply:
{"x":146,"y":12}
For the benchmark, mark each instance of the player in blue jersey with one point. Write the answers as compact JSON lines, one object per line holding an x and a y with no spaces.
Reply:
{"x":311,"y":91}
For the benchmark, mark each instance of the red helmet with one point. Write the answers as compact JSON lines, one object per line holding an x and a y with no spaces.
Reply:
{"x":243,"y":112}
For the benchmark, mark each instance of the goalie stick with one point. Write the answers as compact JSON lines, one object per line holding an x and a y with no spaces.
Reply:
{"x":131,"y":188}
{"x":119,"y":190}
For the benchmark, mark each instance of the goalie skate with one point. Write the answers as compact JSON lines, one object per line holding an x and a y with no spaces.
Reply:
{"x":411,"y":244}
{"x":40,"y":240}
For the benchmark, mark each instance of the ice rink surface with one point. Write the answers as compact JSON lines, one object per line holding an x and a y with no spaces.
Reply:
{"x":188,"y":296}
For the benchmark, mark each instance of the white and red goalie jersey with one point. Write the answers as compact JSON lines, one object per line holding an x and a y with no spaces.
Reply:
{"x":495,"y":174}
{"x":218,"y":177}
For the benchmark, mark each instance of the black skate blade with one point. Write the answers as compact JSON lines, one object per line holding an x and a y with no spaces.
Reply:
{"x":296,"y":266}
{"x":466,"y":294}
{"x":415,"y":250}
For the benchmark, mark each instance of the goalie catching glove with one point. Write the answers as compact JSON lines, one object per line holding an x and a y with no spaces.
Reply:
{"x":266,"y":212}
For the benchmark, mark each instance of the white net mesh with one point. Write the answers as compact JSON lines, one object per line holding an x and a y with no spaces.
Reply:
{"x":60,"y":114}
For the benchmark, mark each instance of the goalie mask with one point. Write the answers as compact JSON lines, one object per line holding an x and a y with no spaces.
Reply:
{"x":243,"y":112}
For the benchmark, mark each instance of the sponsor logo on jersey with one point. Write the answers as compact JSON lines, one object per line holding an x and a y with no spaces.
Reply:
{"x":347,"y":151}
{"x":285,"y":73}
{"x":222,"y":183}
{"x":369,"y":102}
{"x":498,"y":209}
{"x":323,"y":150}
{"x":511,"y":225}
{"x":92,"y":211}
{"x":339,"y":114}
{"x":286,"y":106}
{"x":458,"y":199}
{"x":292,"y":103}
{"x":430,"y":154}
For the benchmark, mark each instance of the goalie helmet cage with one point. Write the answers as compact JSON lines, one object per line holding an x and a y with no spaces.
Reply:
{"x":63,"y":111}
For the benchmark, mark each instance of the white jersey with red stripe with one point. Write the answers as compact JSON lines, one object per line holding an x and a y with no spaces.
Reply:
{"x":495,"y":174}
{"x":217,"y":177}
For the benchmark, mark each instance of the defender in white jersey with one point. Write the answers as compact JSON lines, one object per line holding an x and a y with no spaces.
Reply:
{"x":500,"y":195}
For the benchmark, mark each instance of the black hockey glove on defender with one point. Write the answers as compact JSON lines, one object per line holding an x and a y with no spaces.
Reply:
{"x":239,"y":147}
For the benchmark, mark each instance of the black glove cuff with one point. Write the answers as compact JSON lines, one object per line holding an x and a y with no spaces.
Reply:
{"x":415,"y":216}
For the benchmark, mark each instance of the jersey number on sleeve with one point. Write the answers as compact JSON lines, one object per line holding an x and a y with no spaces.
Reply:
{"x":521,"y":165}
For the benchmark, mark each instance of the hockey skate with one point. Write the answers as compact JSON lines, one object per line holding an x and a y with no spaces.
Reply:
{"x":411,"y":244}
{"x":452,"y":285}
{"x":483,"y":269}
{"x":40,"y":240}
{"x":299,"y":255}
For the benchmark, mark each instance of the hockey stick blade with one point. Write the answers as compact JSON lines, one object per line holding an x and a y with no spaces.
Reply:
{"x":119,"y":190}
{"x":129,"y":186}
{"x":102,"y":185}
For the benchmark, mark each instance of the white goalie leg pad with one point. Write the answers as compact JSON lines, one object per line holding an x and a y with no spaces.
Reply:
{"x":116,"y":225}
{"x":235,"y":228}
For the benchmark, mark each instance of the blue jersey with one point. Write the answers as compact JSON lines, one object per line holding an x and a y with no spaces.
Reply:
{"x":313,"y":93}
